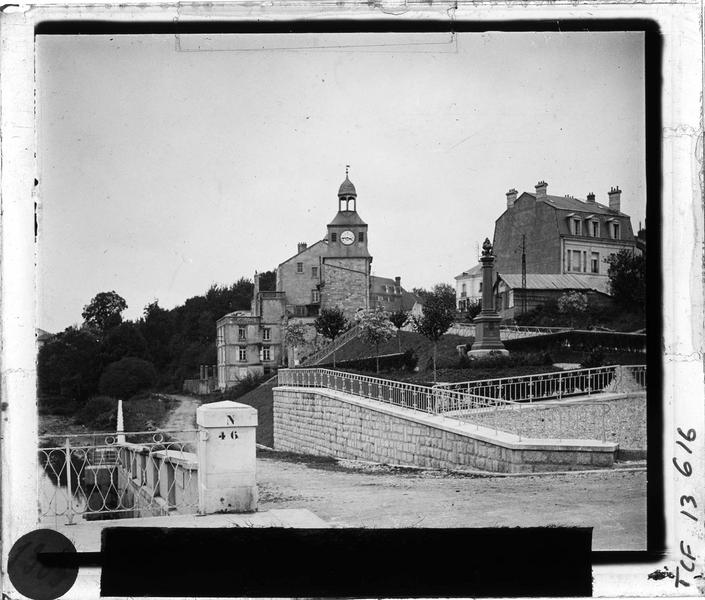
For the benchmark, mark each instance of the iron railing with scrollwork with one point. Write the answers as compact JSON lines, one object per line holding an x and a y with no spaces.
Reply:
{"x":109,"y":476}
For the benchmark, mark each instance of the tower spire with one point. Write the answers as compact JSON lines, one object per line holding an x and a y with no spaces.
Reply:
{"x":347,"y":168}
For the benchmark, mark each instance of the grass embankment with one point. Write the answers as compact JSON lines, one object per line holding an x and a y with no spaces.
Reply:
{"x":452,"y":367}
{"x":142,"y":412}
{"x":262,"y":399}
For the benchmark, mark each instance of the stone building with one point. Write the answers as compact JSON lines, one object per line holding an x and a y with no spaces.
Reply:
{"x":332,"y":272}
{"x":559,"y":236}
{"x":250,"y":342}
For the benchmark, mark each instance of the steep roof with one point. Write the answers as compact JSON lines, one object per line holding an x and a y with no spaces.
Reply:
{"x":347,"y":217}
{"x":563,"y":281}
{"x":307,"y":249}
{"x":576,"y":204}
{"x":471,"y":271}
{"x":408,"y":299}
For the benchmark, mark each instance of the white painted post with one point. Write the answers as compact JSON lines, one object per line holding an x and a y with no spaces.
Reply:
{"x":120,"y":425}
{"x":226,"y":458}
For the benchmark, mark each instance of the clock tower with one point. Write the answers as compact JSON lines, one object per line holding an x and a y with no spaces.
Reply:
{"x":346,"y":263}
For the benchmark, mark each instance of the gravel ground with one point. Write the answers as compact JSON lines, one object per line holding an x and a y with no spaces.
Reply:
{"x":353,"y":494}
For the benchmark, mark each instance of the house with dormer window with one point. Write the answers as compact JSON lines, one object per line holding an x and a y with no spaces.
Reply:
{"x":559,"y":236}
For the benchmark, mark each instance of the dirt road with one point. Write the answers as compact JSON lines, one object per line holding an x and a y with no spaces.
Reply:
{"x":613,"y":502}
{"x":183,"y":416}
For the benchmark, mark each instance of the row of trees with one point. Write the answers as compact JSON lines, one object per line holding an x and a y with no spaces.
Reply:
{"x":173,"y":341}
{"x":377,"y":327}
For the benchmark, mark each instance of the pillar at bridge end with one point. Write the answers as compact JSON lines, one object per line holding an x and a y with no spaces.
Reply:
{"x":226,"y":457}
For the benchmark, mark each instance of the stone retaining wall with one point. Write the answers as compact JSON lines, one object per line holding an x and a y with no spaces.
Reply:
{"x":624,"y":419}
{"x":325,"y":422}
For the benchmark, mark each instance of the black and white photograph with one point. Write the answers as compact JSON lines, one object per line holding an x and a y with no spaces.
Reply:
{"x":379,"y":280}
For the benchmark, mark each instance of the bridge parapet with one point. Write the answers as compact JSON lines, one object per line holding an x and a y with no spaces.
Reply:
{"x":132,"y":474}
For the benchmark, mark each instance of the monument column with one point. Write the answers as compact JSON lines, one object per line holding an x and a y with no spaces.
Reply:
{"x":487,"y":322}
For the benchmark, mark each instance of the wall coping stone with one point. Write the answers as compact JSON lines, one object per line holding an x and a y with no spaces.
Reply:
{"x":477,"y":432}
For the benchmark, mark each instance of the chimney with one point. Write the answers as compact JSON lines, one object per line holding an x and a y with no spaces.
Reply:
{"x":591,"y":198}
{"x":511,"y":197}
{"x":397,"y":280}
{"x":301,"y":246}
{"x":254,"y":305}
{"x":541,"y":189}
{"x":615,"y":196}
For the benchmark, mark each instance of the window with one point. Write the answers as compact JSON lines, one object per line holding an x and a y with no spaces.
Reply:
{"x":299,"y":267}
{"x":242,"y":354}
{"x":615,"y":231}
{"x":242,"y":333}
{"x":361,"y":236}
{"x":577,"y":227}
{"x":573,"y":260}
{"x":333,"y":236}
{"x":510,"y":298}
{"x":300,"y":310}
{"x":314,"y":272}
{"x":595,"y":262}
{"x":267,"y":334}
{"x":464,"y":290}
{"x":266,"y":354}
{"x":595,"y":228}
{"x":315,"y":296}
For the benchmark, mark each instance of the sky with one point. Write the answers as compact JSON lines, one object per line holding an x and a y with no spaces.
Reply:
{"x":169,"y":164}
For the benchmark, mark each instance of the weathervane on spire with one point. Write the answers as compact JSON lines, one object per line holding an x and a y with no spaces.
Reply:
{"x":347,"y":168}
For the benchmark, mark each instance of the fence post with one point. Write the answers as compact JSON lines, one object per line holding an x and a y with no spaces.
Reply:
{"x":67,"y":448}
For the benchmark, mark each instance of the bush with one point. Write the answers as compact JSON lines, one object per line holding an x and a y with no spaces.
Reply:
{"x":596,"y":358}
{"x":99,"y":412}
{"x":503,"y":361}
{"x":56,"y":405}
{"x":126,"y":377}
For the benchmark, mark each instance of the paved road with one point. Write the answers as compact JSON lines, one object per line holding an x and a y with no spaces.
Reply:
{"x":613,"y":502}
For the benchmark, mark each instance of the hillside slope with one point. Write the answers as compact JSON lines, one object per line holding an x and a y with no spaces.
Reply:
{"x":262,"y":399}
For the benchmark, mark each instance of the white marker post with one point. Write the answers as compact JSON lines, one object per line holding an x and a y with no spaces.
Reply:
{"x":226,"y":458}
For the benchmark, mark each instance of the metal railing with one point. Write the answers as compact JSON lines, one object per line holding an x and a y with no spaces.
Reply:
{"x":109,"y":476}
{"x":546,"y":386}
{"x":558,"y":420}
{"x":327,"y":350}
{"x":506,"y":332}
{"x":398,"y":393}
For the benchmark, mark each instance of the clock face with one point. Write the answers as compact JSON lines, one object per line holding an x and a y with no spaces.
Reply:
{"x":347,"y":237}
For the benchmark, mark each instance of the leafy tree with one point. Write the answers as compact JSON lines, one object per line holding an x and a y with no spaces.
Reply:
{"x":445,"y":293}
{"x":399,"y":319}
{"x":436,"y":319}
{"x":375,"y":329}
{"x":330,"y":324}
{"x":627,"y":277}
{"x":572,"y":304}
{"x":294,"y":335}
{"x":472,"y":309}
{"x":124,"y":378}
{"x":70,"y":364}
{"x":124,"y":340}
{"x":104,"y":312}
{"x":268,"y":281}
